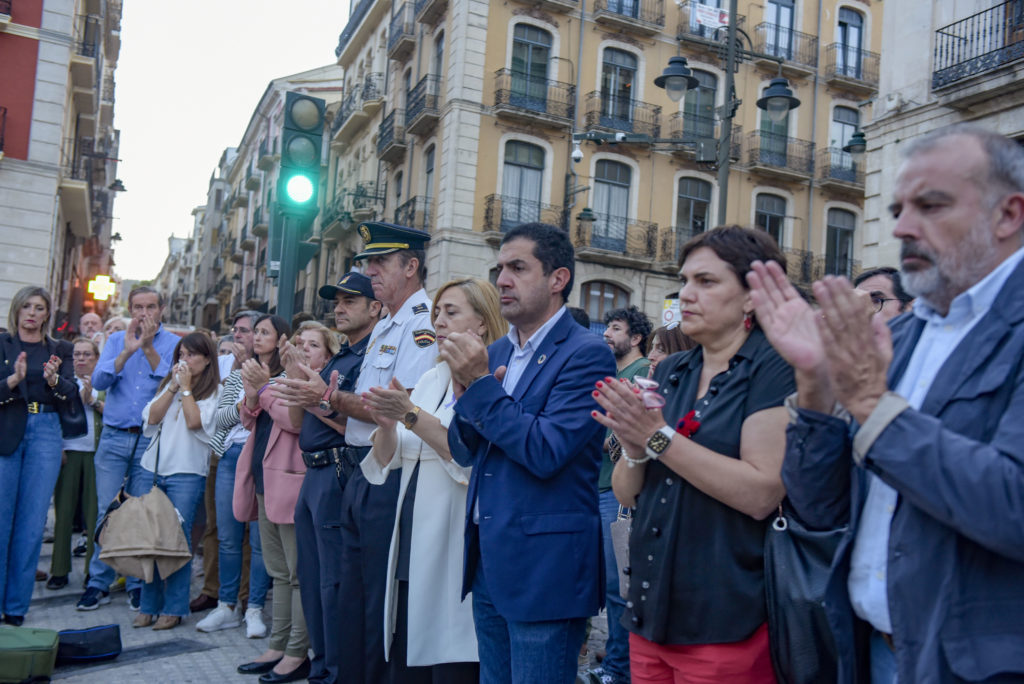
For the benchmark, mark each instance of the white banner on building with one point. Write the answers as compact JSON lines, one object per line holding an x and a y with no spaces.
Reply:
{"x":712,"y":17}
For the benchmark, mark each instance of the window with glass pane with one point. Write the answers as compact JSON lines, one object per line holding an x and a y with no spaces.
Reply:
{"x":778,"y":15}
{"x":851,"y":30}
{"x":439,"y":54}
{"x":627,"y":8}
{"x":839,"y":245}
{"x":406,"y":86}
{"x":770,"y":215}
{"x":521,"y":183}
{"x":774,"y":140}
{"x":531,"y":52}
{"x":617,"y":75}
{"x":691,"y":209}
{"x":845,"y":121}
{"x":428,"y":173}
{"x":611,"y":205}
{"x":599,"y":298}
{"x":699,"y":106}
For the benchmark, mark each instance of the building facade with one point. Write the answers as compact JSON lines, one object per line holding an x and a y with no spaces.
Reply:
{"x":458,"y":117}
{"x":58,"y":149}
{"x":963,"y":60}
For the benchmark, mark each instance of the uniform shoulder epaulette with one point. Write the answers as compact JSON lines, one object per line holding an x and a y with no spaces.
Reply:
{"x":423,"y":338}
{"x":420,"y":308}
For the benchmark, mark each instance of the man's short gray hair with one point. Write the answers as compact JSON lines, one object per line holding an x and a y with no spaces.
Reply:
{"x":1005,"y":156}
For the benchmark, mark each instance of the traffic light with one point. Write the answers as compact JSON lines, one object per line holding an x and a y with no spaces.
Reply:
{"x":301,"y":144}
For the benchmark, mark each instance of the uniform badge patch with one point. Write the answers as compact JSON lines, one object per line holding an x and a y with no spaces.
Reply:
{"x":420,"y":309}
{"x":364,"y":233}
{"x":423,"y":338}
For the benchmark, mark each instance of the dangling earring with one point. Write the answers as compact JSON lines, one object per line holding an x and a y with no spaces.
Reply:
{"x":748,"y":322}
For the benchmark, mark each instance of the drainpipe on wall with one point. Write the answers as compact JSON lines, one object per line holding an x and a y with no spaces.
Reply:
{"x":814,"y":129}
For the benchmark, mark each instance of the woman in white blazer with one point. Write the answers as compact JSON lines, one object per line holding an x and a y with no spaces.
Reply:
{"x":428,"y":629}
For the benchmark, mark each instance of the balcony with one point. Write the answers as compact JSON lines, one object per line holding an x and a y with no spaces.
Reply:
{"x":237,"y":255}
{"x":349,"y":119}
{"x":502,"y":212}
{"x":355,"y":19}
{"x":247,"y":240}
{"x":779,"y":156}
{"x":365,"y":200}
{"x":701,"y":131}
{"x":837,"y":172}
{"x":335,"y":219}
{"x":239,"y":198}
{"x":266,"y":159}
{"x":415,"y":213}
{"x":853,"y":70}
{"x":74,"y":188}
{"x":553,"y":5}
{"x":402,"y":33}
{"x":622,"y":114}
{"x":423,"y":108}
{"x":391,"y":142}
{"x":519,"y":97}
{"x":643,"y":17}
{"x":373,"y":93}
{"x":691,"y":24}
{"x":979,"y":44}
{"x":252,"y":181}
{"x":429,"y":11}
{"x":83,"y":58}
{"x":616,"y":241}
{"x":799,"y":50}
{"x":259,"y":223}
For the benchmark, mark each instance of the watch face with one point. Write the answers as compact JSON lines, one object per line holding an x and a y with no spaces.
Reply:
{"x":409,"y":419}
{"x":325,"y":405}
{"x":658,"y":443}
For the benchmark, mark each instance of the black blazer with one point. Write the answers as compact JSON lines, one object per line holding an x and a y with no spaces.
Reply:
{"x":14,"y":408}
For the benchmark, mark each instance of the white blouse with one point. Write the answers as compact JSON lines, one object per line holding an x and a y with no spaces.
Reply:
{"x":181,"y":450}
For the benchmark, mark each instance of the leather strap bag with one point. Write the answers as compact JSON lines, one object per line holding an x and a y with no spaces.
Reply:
{"x":620,"y":529}
{"x":797,"y":564}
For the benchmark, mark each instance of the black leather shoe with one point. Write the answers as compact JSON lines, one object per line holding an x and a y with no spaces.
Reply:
{"x":258,"y":667}
{"x":19,"y":620}
{"x":298,"y":674}
{"x":57,"y":582}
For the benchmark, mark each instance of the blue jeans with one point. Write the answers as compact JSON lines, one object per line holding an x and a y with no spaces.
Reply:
{"x":115,"y":462}
{"x":523,"y":652}
{"x":229,"y":538}
{"x":616,"y":660}
{"x":169,"y":596}
{"x":883,"y":661}
{"x":27,"y":478}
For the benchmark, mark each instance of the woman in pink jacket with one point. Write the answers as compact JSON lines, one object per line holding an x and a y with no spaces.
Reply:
{"x":268,"y":477}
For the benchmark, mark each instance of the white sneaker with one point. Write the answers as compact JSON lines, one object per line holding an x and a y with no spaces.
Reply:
{"x":221,"y":617}
{"x":254,"y":625}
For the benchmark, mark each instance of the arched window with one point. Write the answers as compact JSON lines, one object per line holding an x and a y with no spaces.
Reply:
{"x":774,"y":139}
{"x":531,"y":52}
{"x":598,"y":298}
{"x":699,"y":106}
{"x":845,"y":121}
{"x":521,"y":181}
{"x":778,"y":28}
{"x":692,"y":205}
{"x":611,"y":205}
{"x":618,"y":73}
{"x":770,"y":214}
{"x":850,"y":38}
{"x":842,"y":225}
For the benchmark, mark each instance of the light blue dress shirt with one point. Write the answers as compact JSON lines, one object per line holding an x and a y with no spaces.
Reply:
{"x":129,"y":391}
{"x":869,"y":563}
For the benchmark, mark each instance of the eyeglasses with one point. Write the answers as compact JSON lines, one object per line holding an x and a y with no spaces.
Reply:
{"x":878,"y":301}
{"x":236,"y":330}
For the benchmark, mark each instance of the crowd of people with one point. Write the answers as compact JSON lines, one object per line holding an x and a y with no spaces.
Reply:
{"x":427,"y":490}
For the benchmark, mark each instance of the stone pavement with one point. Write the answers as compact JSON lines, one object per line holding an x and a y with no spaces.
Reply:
{"x":176,"y":656}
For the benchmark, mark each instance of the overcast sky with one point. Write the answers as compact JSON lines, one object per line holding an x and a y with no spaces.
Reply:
{"x":188,"y":77}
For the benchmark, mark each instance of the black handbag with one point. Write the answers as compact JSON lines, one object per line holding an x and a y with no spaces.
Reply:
{"x":797,"y":563}
{"x":90,"y":645}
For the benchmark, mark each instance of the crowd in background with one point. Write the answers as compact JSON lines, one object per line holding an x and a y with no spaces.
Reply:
{"x":427,"y":491}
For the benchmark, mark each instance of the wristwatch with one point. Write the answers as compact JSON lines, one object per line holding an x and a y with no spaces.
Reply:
{"x":325,"y":401}
{"x":410,"y":418}
{"x":186,"y":393}
{"x":659,"y":441}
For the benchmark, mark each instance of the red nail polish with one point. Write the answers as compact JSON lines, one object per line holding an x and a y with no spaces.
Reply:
{"x":600,"y":384}
{"x":596,"y":394}
{"x":593,"y":414}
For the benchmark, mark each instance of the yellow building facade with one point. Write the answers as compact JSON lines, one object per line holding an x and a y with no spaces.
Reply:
{"x":459,"y":116}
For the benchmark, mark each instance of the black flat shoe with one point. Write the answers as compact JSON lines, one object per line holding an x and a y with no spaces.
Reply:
{"x":298,"y":674}
{"x":16,"y":620}
{"x":57,"y":582}
{"x":258,"y":668}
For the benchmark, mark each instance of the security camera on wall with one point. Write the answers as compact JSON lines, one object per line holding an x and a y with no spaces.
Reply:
{"x":577,"y":154}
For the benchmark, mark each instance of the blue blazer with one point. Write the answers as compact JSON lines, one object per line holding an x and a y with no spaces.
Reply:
{"x":956,"y":549}
{"x":535,"y":457}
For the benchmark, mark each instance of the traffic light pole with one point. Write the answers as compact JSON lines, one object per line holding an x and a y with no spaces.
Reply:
{"x":289,"y":268}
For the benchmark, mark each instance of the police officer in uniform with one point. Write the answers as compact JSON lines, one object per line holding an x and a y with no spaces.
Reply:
{"x":329,"y":463}
{"x":402,"y":346}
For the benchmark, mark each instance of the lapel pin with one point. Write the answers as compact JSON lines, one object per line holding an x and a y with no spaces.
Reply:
{"x":542,"y":358}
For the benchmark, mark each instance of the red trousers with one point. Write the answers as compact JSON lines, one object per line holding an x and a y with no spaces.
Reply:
{"x":742,"y":662}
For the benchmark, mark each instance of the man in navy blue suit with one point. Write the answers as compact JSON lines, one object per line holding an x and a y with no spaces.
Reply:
{"x":533,"y":531}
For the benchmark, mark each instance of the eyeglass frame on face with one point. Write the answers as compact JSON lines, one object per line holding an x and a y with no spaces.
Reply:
{"x":235,"y":330}
{"x":879,"y":301}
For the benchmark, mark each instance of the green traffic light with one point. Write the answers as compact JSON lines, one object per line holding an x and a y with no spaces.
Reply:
{"x":299,"y":189}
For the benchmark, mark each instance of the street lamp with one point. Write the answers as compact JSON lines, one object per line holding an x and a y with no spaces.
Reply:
{"x":778,"y":100}
{"x":676,"y":79}
{"x":857,"y":146}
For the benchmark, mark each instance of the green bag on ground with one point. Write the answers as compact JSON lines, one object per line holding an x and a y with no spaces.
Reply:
{"x":27,"y":654}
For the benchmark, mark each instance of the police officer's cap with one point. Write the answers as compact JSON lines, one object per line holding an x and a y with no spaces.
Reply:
{"x":351,"y":283}
{"x":384,"y":238}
